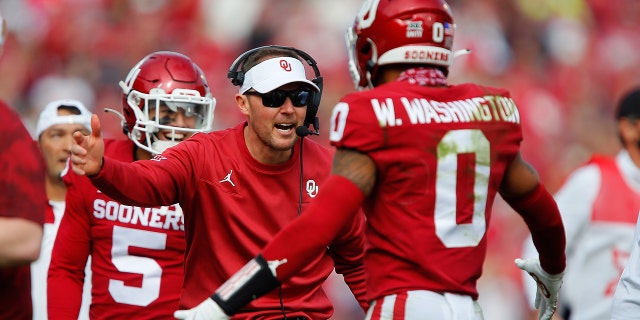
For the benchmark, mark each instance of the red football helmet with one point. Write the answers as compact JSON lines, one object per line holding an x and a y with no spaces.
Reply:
{"x":168,"y":79}
{"x":399,"y":31}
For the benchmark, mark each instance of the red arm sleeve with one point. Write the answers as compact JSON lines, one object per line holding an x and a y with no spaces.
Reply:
{"x":335,"y":206}
{"x":145,"y":183}
{"x":540,"y":213}
{"x":347,"y":251}
{"x":68,"y":259}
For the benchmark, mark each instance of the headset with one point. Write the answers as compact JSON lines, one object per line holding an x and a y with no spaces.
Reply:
{"x":237,"y":78}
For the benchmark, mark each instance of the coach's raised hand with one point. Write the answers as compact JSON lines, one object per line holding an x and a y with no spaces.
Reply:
{"x":88,"y":151}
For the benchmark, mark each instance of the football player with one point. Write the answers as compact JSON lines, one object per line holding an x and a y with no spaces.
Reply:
{"x":136,"y":251}
{"x":23,"y":202}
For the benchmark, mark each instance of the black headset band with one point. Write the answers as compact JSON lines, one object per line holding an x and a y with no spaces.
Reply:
{"x":237,"y":64}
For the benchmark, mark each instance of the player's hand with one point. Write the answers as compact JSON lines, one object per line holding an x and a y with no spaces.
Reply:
{"x":87,"y":151}
{"x":207,"y":310}
{"x":548,"y":286}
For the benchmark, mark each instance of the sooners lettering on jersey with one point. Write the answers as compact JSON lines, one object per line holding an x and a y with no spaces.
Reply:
{"x":427,"y":141}
{"x":165,"y":217}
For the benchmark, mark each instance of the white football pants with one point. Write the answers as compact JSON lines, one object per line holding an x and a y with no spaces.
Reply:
{"x":423,"y":305}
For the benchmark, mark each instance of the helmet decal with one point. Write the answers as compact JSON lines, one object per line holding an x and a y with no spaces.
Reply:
{"x":367,"y":14}
{"x":415,"y":30}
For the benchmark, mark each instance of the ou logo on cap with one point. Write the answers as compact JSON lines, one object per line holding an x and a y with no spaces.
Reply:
{"x":284,"y":64}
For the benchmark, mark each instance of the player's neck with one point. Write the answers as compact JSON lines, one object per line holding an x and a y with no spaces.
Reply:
{"x":55,"y":188}
{"x":634,"y":154}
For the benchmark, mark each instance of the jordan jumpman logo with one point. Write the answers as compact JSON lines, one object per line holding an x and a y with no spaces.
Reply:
{"x":228,"y":178}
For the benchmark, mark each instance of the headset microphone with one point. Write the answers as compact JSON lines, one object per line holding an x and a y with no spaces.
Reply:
{"x":303,"y":131}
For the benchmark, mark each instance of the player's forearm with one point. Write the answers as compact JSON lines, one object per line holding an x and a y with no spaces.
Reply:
{"x":20,"y":241}
{"x":540,"y":213}
{"x":70,"y":253}
{"x":64,"y":291}
{"x":62,"y":306}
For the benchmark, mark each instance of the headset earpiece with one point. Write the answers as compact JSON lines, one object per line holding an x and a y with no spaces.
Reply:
{"x":237,"y":77}
{"x":312,"y":108}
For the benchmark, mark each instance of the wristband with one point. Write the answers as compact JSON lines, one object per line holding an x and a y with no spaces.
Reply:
{"x":250,"y":282}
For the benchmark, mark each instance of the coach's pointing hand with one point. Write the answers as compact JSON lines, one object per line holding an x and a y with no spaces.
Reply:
{"x":88,"y":151}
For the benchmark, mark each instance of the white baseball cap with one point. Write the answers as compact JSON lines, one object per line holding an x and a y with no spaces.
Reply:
{"x":273,"y":73}
{"x":49,"y":115}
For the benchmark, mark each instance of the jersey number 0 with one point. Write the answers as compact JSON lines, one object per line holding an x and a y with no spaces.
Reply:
{"x":454,"y":143}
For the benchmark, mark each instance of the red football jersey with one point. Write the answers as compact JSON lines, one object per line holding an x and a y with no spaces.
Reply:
{"x":441,"y":154}
{"x":233,"y":206}
{"x":22,"y":196}
{"x":137,"y":253}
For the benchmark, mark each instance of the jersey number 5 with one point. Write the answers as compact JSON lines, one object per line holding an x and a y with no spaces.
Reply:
{"x":151,"y":271}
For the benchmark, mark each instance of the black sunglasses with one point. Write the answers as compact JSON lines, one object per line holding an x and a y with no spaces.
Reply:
{"x":276,"y":98}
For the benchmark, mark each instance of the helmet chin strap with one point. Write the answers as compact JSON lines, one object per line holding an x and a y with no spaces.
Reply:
{"x":372,"y":63}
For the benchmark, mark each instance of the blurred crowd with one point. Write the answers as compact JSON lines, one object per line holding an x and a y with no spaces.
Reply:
{"x":566,"y":64}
